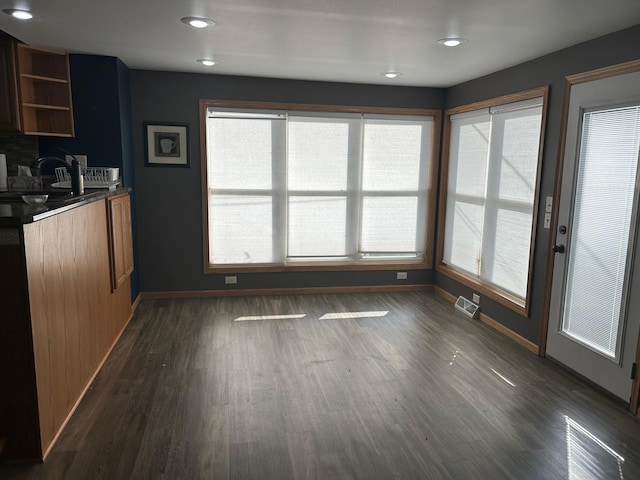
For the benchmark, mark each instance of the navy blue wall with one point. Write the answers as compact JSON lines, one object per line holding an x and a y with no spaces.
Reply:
{"x":102,"y":117}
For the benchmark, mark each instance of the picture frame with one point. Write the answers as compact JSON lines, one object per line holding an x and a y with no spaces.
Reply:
{"x":166,"y":144}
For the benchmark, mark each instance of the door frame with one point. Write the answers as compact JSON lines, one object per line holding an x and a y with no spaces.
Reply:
{"x":598,"y":74}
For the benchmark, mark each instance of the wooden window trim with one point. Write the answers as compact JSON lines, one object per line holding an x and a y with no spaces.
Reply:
{"x":495,"y":293}
{"x":425,"y":263}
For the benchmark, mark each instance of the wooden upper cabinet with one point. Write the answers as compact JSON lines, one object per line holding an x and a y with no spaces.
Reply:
{"x":120,"y":239}
{"x":45,"y":91}
{"x":9,"y":108}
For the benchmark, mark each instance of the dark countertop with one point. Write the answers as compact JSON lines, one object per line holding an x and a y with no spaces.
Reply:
{"x":14,"y":212}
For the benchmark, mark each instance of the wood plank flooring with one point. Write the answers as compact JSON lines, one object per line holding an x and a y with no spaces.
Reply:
{"x":420,"y":392}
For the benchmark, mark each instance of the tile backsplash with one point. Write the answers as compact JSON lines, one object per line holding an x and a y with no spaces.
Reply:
{"x":19,"y":149}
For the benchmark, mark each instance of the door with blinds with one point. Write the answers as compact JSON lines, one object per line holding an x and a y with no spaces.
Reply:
{"x":595,"y":300}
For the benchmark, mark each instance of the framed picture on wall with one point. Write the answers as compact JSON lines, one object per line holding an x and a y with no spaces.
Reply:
{"x":166,"y":144}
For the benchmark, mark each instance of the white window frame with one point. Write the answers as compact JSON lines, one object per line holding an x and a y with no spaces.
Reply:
{"x":361,"y":262}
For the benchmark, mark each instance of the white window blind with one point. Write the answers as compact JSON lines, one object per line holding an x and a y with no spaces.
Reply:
{"x":603,"y":222}
{"x":323,"y":154}
{"x":394,"y":182}
{"x":493,"y":164}
{"x":295,"y":186}
{"x":244,"y":184}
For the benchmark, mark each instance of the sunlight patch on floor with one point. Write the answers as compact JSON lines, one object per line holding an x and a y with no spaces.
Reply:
{"x":503,"y":378}
{"x":269,"y":317}
{"x":342,"y":315}
{"x":585,"y":459}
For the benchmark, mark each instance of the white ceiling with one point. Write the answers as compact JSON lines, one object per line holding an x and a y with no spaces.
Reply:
{"x":330,"y":40}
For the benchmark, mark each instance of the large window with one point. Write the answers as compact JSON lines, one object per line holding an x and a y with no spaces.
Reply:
{"x":489,"y":196}
{"x":302,"y":189}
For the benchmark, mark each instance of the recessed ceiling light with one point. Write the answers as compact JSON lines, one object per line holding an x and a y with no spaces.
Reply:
{"x":198,"y":22}
{"x":391,"y":74}
{"x":18,"y":13}
{"x":207,"y":62}
{"x":452,"y":42}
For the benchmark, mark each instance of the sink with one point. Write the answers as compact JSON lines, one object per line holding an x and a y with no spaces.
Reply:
{"x":59,"y":197}
{"x":16,"y":196}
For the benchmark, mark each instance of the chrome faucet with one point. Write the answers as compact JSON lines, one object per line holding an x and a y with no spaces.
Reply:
{"x":74,"y":169}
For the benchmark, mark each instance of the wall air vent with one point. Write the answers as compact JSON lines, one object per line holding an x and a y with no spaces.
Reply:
{"x":467,"y":307}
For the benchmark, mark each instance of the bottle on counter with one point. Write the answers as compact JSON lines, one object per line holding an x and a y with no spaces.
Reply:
{"x":77,"y":179}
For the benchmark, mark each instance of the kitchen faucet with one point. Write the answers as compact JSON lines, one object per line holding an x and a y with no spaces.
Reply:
{"x":74,"y":169}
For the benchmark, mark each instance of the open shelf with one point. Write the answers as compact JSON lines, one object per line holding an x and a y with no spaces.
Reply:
{"x":46,"y":121}
{"x":45,"y":92}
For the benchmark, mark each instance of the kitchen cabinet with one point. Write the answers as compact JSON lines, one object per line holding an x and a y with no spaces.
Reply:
{"x":9,"y":109}
{"x":121,"y":239}
{"x":36,"y":96}
{"x":45,"y":91}
{"x":60,"y":320}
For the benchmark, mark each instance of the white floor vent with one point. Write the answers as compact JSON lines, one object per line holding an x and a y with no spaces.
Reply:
{"x":467,"y":307}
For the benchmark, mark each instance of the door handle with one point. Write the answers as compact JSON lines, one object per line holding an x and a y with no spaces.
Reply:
{"x":558,"y":249}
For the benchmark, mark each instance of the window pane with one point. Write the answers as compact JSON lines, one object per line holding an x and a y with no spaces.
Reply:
{"x":505,"y":261}
{"x":319,"y":150}
{"x":317,"y":226}
{"x":389,"y":225}
{"x":511,"y":181}
{"x":601,"y":227}
{"x":393,"y":151}
{"x":241,"y":229}
{"x":469,"y":156}
{"x":463,"y":235}
{"x":240,"y":152}
{"x":516,"y":146}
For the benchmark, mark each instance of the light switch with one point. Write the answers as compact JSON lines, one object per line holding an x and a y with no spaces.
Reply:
{"x":548,"y":206}
{"x":547,"y":220}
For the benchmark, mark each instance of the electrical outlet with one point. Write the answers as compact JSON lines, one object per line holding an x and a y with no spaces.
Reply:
{"x":231,"y":280}
{"x":401,"y":275}
{"x":9,"y":237}
{"x":476,"y":299}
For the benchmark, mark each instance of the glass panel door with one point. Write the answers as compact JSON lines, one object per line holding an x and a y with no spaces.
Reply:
{"x":596,"y":270}
{"x":603,"y":226}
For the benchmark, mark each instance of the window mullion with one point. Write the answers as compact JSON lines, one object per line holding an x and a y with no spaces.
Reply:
{"x":486,"y":254}
{"x":423,"y":183}
{"x":354,"y":187}
{"x":279,"y":192}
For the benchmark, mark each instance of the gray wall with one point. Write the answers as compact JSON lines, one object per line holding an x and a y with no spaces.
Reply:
{"x":168,"y":199}
{"x":549,"y":70}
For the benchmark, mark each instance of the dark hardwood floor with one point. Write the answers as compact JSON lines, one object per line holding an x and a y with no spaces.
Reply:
{"x":192,"y":391}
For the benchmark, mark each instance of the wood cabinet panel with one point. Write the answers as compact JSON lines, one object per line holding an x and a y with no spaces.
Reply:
{"x":9,"y":110}
{"x":75,"y":317}
{"x":121,"y":239}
